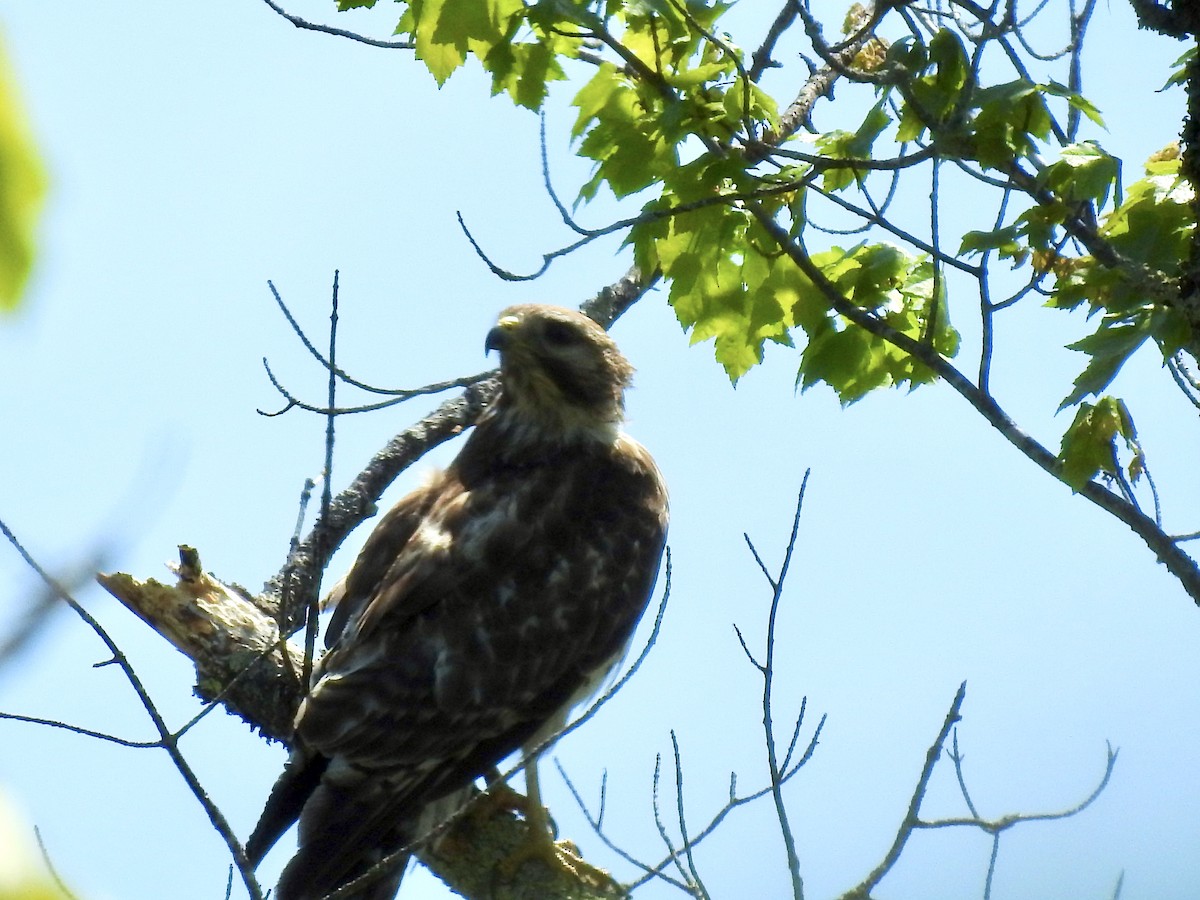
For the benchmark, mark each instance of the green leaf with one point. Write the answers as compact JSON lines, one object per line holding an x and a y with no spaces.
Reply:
{"x":761,"y":109}
{"x":1109,"y":347}
{"x":689,"y":79}
{"x":723,"y":289}
{"x":1088,"y":446}
{"x":1010,"y":116}
{"x":1180,"y":75}
{"x":1078,"y":101}
{"x":523,"y":70}
{"x":1154,"y":224}
{"x":897,"y":288}
{"x":622,"y":132}
{"x":1083,"y":172}
{"x":868,"y":275}
{"x":1002,"y":239}
{"x":847,"y":360}
{"x":936,"y":95}
{"x":22,"y":190}
{"x":851,"y":145}
{"x":947,"y":52}
{"x":444,"y":31}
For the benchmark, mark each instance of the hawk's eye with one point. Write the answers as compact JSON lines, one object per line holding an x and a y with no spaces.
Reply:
{"x":559,"y":334}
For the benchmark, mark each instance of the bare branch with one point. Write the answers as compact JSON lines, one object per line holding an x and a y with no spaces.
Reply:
{"x":76,"y":729}
{"x":768,"y":673}
{"x":912,"y":818}
{"x":672,"y":854}
{"x":957,"y":759}
{"x":695,"y":879}
{"x":761,"y":60}
{"x":398,"y":395}
{"x":1182,"y":566}
{"x":339,"y":32}
{"x":597,"y":825}
{"x":995,"y":826}
{"x":761,"y":565}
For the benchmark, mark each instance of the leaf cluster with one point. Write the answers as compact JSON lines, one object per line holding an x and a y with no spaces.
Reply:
{"x":674,"y":116}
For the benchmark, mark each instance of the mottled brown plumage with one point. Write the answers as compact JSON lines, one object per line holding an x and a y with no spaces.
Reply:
{"x":481,"y":609}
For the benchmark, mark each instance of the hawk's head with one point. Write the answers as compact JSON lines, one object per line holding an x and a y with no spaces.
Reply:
{"x":559,"y":369}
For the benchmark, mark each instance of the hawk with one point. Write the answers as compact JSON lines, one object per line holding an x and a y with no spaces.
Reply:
{"x":483,"y":607}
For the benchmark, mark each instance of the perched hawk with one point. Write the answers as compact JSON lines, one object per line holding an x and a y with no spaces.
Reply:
{"x":483,"y":607}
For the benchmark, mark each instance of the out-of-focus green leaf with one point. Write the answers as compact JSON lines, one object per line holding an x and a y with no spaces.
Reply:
{"x":22,"y":190}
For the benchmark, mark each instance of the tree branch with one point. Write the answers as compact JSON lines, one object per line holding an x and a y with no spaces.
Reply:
{"x":1178,"y":563}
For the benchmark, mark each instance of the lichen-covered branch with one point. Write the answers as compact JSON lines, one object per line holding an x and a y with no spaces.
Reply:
{"x":233,"y":642}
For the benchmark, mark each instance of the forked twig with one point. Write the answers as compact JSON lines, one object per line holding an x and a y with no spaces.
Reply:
{"x":911,"y":820}
{"x":767,"y":670}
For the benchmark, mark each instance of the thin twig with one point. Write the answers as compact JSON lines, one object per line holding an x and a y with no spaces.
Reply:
{"x":993,"y":826}
{"x":67,"y":893}
{"x":773,"y":767}
{"x":761,"y":60}
{"x":597,"y":825}
{"x":672,"y":853}
{"x":697,"y":882}
{"x":957,"y":759}
{"x":912,"y":818}
{"x":168,"y":741}
{"x":339,"y":32}
{"x":732,"y":803}
{"x":77,"y":729}
{"x":397,"y":395}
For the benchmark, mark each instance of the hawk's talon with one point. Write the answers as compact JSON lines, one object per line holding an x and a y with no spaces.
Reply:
{"x":562,"y":856}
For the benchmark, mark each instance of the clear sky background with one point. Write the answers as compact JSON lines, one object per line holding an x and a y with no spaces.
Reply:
{"x":198,"y":150}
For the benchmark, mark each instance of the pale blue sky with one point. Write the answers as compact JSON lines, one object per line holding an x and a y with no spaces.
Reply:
{"x":196,"y":152}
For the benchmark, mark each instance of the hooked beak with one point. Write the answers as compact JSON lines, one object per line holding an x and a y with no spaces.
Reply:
{"x":499,"y":336}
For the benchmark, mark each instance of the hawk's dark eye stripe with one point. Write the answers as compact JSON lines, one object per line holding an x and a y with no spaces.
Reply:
{"x":575,"y":388}
{"x":561,"y":334}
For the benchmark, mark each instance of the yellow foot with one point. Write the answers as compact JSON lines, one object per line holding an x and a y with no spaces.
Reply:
{"x":498,"y":797}
{"x":559,"y":855}
{"x":539,"y":843}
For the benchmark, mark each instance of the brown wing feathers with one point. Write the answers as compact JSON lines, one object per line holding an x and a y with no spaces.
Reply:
{"x":478,"y":609}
